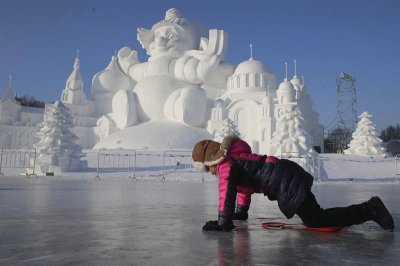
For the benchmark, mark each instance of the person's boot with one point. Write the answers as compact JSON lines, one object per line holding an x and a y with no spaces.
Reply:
{"x":379,"y":214}
{"x":241,"y":213}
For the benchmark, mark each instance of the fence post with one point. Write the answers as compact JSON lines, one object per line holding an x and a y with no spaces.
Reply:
{"x":134,"y":165}
{"x":319,"y":167}
{"x":163,"y":178}
{"x":129,"y":163}
{"x":397,"y":158}
{"x":34,"y":163}
{"x":1,"y":162}
{"x":98,"y":166}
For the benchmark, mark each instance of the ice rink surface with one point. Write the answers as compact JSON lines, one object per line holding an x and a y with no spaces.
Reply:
{"x":117,"y":221}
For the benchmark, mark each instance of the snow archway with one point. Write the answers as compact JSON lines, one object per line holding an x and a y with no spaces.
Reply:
{"x":243,"y":113}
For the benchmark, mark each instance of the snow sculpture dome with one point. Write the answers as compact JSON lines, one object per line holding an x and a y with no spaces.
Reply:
{"x":296,"y":82}
{"x":250,"y":66}
{"x":286,"y":92}
{"x":250,"y":75}
{"x":298,"y":86}
{"x":111,"y":79}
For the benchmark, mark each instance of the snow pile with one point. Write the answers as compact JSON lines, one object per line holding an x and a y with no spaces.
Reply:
{"x":56,"y":147}
{"x":155,"y":135}
{"x":290,"y":136}
{"x":345,"y":167}
{"x":365,"y":139}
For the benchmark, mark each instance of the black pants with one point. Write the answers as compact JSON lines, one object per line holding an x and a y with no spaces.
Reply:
{"x":313,"y":215}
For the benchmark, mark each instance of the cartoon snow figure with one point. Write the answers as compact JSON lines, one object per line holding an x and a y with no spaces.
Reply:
{"x":172,"y":85}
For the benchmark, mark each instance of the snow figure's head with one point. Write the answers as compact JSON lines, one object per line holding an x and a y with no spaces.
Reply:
{"x":170,"y":37}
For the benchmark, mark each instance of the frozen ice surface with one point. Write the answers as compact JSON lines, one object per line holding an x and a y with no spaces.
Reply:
{"x":58,"y":221}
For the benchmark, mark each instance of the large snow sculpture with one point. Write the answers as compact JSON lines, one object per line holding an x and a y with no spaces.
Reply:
{"x":365,"y":140}
{"x":183,"y":72}
{"x":56,"y":148}
{"x":181,"y":60}
{"x":187,"y":90}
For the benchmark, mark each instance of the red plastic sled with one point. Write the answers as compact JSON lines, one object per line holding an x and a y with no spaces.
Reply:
{"x":280,"y":225}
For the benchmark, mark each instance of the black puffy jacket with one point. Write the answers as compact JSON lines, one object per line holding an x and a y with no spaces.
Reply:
{"x":289,"y":184}
{"x":285,"y":181}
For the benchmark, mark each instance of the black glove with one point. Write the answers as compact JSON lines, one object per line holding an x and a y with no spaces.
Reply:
{"x":214,"y":226}
{"x":241,"y":213}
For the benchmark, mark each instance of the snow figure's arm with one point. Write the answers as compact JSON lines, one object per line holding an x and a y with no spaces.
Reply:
{"x":127,"y":58}
{"x":195,"y":65}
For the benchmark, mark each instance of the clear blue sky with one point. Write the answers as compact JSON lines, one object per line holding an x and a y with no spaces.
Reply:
{"x":39,"y":39}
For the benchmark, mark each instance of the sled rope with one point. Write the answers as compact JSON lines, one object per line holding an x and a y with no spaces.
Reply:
{"x":281,"y":225}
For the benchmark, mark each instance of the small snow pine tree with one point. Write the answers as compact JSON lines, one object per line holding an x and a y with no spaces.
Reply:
{"x":365,"y":140}
{"x":228,"y":128}
{"x":290,"y":136}
{"x":56,"y":148}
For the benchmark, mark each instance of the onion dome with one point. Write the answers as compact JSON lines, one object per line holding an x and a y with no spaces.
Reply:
{"x":286,"y":92}
{"x":296,"y":82}
{"x":250,"y":76}
{"x":251,"y":66}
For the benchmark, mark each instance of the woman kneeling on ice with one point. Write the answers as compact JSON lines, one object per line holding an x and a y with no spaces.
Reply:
{"x":243,"y":173}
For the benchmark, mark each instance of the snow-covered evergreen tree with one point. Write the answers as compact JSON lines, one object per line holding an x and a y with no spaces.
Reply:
{"x":290,"y":135}
{"x":365,"y":140}
{"x":56,"y":148}
{"x":228,"y":128}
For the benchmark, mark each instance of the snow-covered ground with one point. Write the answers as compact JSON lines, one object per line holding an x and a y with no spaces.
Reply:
{"x":359,"y":168}
{"x":176,"y":165}
{"x":76,"y":219}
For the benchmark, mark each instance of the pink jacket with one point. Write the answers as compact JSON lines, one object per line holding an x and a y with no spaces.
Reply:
{"x":239,"y":149}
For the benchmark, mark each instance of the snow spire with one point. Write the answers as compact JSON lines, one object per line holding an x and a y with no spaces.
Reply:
{"x":302,"y":77}
{"x":251,"y":51}
{"x":9,"y":94}
{"x":73,"y":92}
{"x":75,"y":81}
{"x":295,"y":68}
{"x":77,"y":62}
{"x":285,"y":71}
{"x":10,"y":81}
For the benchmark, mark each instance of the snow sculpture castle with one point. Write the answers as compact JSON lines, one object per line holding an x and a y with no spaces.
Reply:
{"x":183,"y":93}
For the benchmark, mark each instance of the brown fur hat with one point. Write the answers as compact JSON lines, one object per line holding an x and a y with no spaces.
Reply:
{"x":209,"y":152}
